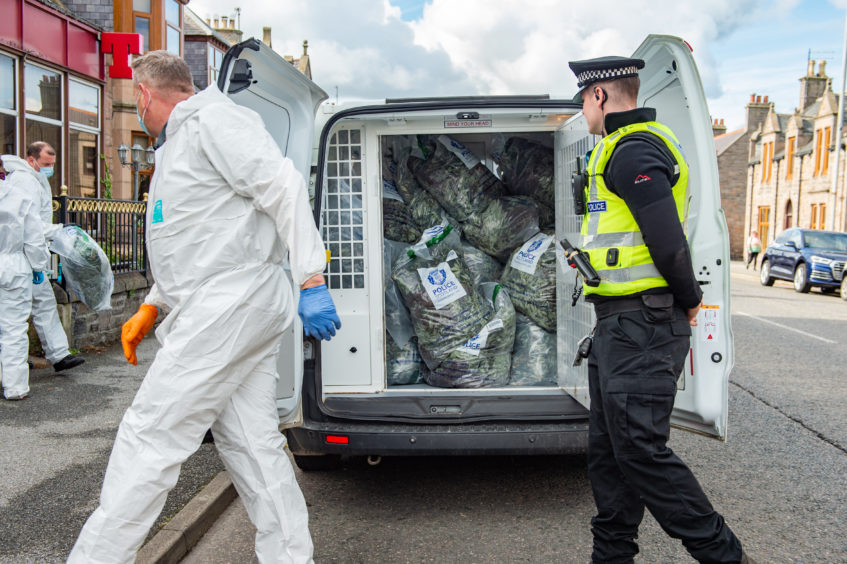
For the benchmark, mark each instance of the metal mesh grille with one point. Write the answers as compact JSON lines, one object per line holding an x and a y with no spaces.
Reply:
{"x":343,"y":221}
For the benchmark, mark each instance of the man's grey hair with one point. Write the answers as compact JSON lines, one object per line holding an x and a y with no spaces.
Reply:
{"x":162,"y":70}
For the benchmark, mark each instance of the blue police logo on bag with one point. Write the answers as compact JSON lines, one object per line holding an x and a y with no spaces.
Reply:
{"x":437,"y":277}
{"x":535,"y":245}
{"x":599,"y":206}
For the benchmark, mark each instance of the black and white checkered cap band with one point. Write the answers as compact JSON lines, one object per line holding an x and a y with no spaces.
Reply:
{"x":592,"y":76}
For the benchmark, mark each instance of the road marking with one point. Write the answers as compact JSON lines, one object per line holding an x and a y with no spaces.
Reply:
{"x":787,"y":327}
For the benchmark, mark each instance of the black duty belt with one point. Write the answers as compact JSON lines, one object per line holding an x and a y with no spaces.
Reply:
{"x":620,"y":305}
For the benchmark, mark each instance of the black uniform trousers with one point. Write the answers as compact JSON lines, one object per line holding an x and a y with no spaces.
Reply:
{"x":635,"y":361}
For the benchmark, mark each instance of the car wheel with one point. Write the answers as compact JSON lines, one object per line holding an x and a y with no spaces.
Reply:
{"x":801,"y":284}
{"x":765,"y":274}
{"x":318,"y":463}
{"x":844,"y":288}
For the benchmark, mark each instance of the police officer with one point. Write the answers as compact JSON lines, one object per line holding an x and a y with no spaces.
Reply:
{"x":647,"y":299}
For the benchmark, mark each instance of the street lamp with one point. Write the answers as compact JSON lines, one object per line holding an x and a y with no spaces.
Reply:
{"x":141,"y":158}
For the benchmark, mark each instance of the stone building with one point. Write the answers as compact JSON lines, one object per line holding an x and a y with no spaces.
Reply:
{"x":205,"y":45}
{"x":792,"y":162}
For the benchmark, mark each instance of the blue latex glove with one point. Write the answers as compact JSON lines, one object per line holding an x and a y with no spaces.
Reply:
{"x":37,"y":277}
{"x":318,"y":313}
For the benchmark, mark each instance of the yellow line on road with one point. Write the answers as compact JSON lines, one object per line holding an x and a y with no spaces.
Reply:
{"x":825,"y":340}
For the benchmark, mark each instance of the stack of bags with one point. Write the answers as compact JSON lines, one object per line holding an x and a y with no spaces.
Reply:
{"x":481,"y":272}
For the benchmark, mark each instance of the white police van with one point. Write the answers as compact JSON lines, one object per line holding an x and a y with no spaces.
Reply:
{"x":334,"y":398}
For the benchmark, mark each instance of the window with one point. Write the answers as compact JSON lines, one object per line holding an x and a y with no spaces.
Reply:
{"x":84,"y":138}
{"x":44,"y":119}
{"x":767,"y":161}
{"x":818,"y":151}
{"x":814,"y":222}
{"x":789,"y":156}
{"x":825,"y":150}
{"x":216,"y":57}
{"x":764,"y":224}
{"x":8,"y":105}
{"x":343,"y":221}
{"x":822,"y":216}
{"x":142,"y":26}
{"x":789,"y":215}
{"x":173,"y":26}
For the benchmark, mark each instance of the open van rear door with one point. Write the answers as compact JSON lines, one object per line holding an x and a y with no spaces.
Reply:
{"x":671,"y":84}
{"x":256,"y":77}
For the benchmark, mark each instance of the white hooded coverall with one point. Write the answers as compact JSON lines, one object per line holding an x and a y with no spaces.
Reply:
{"x":45,"y":315}
{"x":224,"y":209}
{"x":22,"y":250}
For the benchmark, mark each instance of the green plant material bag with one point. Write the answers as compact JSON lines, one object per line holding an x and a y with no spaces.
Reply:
{"x":526,"y":168}
{"x":530,"y":279}
{"x":534,"y":357}
{"x":503,"y":226}
{"x":438,"y":289}
{"x":484,"y":360}
{"x":85,"y":267}
{"x":457,"y":179}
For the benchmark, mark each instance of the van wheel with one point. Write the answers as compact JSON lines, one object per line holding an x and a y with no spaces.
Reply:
{"x":801,"y":284}
{"x":765,"y":274}
{"x":318,"y":463}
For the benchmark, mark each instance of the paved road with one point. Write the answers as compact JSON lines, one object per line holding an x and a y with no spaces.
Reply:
{"x":780,"y":480}
{"x":54,"y":448}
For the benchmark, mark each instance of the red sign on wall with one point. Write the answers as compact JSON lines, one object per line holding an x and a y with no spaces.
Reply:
{"x":121,"y":46}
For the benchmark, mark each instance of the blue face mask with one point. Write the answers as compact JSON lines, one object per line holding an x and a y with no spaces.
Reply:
{"x":46,"y":171}
{"x":140,"y":118}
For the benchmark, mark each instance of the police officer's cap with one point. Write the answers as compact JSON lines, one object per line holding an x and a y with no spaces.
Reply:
{"x":602,"y":69}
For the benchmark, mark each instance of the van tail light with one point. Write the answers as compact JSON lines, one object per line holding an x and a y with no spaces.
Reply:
{"x":337,"y":439}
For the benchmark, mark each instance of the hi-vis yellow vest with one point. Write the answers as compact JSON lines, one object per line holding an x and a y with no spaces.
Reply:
{"x":610,"y":234}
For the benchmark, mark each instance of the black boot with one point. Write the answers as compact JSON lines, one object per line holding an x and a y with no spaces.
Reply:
{"x":68,"y":362}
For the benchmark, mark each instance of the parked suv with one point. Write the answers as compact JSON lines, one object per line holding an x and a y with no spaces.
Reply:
{"x":807,"y":257}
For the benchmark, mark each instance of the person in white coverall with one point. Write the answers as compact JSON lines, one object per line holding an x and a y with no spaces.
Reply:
{"x":23,"y":257}
{"x":224,"y":209}
{"x":31,"y":175}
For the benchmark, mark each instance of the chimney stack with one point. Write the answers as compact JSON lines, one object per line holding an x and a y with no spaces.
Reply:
{"x":811,"y":70}
{"x":224,"y":24}
{"x":216,"y":26}
{"x":718,"y":128}
{"x":232,"y":23}
{"x":756,"y":112}
{"x":209,"y":22}
{"x":266,"y":36}
{"x":821,"y":68}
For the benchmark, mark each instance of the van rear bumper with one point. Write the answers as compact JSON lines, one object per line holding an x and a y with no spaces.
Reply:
{"x":385,"y":439}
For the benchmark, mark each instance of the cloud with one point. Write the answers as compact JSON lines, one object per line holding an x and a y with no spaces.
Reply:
{"x":363,"y":47}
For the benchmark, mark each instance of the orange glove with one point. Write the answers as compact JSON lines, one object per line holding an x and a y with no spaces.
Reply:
{"x":135,"y":328}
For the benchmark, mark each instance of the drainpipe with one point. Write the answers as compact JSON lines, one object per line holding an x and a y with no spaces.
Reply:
{"x":775,"y":198}
{"x":799,"y":189}
{"x":838,"y":122}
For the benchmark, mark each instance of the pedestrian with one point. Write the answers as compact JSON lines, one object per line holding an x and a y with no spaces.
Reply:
{"x":32,"y":175}
{"x":754,"y":247}
{"x":645,"y":304}
{"x":23,"y":258}
{"x":226,"y":207}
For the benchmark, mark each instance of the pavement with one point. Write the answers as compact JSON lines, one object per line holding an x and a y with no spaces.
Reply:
{"x":55,"y":448}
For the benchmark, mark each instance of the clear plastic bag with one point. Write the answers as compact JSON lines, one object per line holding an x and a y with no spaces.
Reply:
{"x":398,"y":322}
{"x":526,"y":168}
{"x":85,"y":267}
{"x":530,"y":278}
{"x":534,"y":356}
{"x":483,"y":267}
{"x":458,"y":180}
{"x":404,"y":365}
{"x":437,"y":287}
{"x":484,"y":360}
{"x":502,"y":226}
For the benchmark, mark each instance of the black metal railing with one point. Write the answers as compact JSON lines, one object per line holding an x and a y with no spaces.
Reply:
{"x":117,"y":226}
